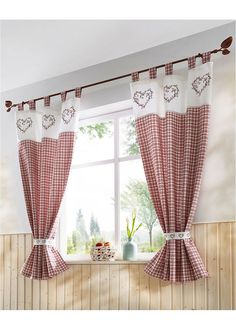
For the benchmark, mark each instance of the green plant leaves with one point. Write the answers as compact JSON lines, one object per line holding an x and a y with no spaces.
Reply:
{"x":130,"y":233}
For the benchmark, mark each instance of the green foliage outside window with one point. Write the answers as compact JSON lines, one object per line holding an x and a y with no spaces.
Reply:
{"x":136,"y":195}
{"x":131,"y":143}
{"x":98,"y":130}
{"x":80,"y":241}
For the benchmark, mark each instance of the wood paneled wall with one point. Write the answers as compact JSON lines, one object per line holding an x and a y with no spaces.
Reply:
{"x":122,"y":286}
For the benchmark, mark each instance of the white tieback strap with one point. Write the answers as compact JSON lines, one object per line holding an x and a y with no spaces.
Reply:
{"x":177,"y":235}
{"x":43,"y":241}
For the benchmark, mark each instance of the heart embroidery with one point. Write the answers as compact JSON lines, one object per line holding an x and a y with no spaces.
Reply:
{"x":48,"y":121}
{"x":67,"y":114}
{"x":170,"y":92}
{"x":200,"y":83}
{"x":24,"y":124}
{"x":142,"y":98}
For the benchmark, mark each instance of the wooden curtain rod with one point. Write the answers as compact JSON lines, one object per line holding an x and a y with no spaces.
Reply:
{"x":223,"y":48}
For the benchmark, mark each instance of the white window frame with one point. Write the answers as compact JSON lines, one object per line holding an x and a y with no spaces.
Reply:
{"x":109,"y":112}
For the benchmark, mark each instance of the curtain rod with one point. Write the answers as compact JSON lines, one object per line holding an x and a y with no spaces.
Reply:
{"x":223,"y":48}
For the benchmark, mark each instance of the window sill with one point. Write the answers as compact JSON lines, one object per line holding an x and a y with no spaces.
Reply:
{"x":116,"y":262}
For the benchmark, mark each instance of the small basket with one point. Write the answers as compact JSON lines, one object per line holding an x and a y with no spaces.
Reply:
{"x":102,"y":253}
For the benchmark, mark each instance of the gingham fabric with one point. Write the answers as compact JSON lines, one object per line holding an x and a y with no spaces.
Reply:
{"x":135,"y":76}
{"x":46,"y":138}
{"x":191,"y":62}
{"x":20,"y":107}
{"x":153,"y":73}
{"x":172,"y":128}
{"x":206,"y":57}
{"x":78,"y":91}
{"x":47,"y":101}
{"x":168,"y":68}
{"x":32,"y":105}
{"x":63,"y":96}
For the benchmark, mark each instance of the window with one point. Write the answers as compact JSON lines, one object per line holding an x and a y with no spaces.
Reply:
{"x":106,"y":183}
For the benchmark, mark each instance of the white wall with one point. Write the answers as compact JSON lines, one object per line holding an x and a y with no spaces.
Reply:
{"x":217,"y":197}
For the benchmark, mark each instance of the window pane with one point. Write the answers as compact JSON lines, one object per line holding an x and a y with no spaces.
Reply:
{"x":94,"y":142}
{"x":89,"y":208}
{"x":134,"y":194}
{"x":128,"y":141}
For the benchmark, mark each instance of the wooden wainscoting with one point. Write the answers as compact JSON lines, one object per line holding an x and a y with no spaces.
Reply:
{"x":122,"y":286}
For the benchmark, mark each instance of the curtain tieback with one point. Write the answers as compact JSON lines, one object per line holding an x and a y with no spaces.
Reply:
{"x":43,"y":241}
{"x":177,"y":235}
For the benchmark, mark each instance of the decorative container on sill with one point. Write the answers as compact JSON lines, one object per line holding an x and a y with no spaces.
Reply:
{"x":130,"y":249}
{"x":103,"y":253}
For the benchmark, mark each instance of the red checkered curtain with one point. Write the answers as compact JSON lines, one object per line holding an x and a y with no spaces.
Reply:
{"x":171,"y":114}
{"x":46,"y":138}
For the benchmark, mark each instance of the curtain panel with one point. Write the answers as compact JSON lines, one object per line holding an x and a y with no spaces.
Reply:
{"x":45,"y":145}
{"x":171,"y":116}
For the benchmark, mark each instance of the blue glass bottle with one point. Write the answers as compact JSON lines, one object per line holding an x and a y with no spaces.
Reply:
{"x":130,"y":250}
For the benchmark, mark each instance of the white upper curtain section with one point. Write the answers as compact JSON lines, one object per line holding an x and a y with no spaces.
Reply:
{"x":174,"y":93}
{"x":47,"y":122}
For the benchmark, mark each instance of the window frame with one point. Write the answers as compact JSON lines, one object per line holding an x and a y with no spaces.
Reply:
{"x":108,"y":112}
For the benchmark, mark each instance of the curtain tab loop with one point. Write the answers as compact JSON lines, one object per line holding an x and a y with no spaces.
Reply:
{"x":153,"y":73}
{"x":20,"y":106}
{"x":32,"y":105}
{"x":206,"y":57}
{"x":47,"y":101}
{"x":78,"y":92}
{"x":135,"y":76}
{"x":63,"y":96}
{"x":191,"y":62}
{"x":169,"y":69}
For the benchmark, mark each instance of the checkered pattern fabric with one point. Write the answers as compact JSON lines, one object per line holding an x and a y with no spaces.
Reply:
{"x":173,"y":150}
{"x":20,"y":107}
{"x":46,"y":140}
{"x":32,"y":104}
{"x":169,"y":68}
{"x":191,"y":62}
{"x":206,"y":57}
{"x":153,"y":73}
{"x":45,"y":168}
{"x":63,"y":96}
{"x":135,"y":76}
{"x":78,"y":92}
{"x":46,"y":101}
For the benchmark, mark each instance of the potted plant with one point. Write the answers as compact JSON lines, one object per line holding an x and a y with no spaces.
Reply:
{"x":130,"y":248}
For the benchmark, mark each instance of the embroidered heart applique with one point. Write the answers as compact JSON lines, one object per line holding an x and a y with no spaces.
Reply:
{"x":142,"y":98}
{"x":170,"y":92}
{"x":67,"y":114}
{"x":181,"y":235}
{"x":24,"y":124}
{"x":48,"y":121}
{"x":200,"y":83}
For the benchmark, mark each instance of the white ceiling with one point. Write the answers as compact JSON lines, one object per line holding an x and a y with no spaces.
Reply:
{"x":36,"y":50}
